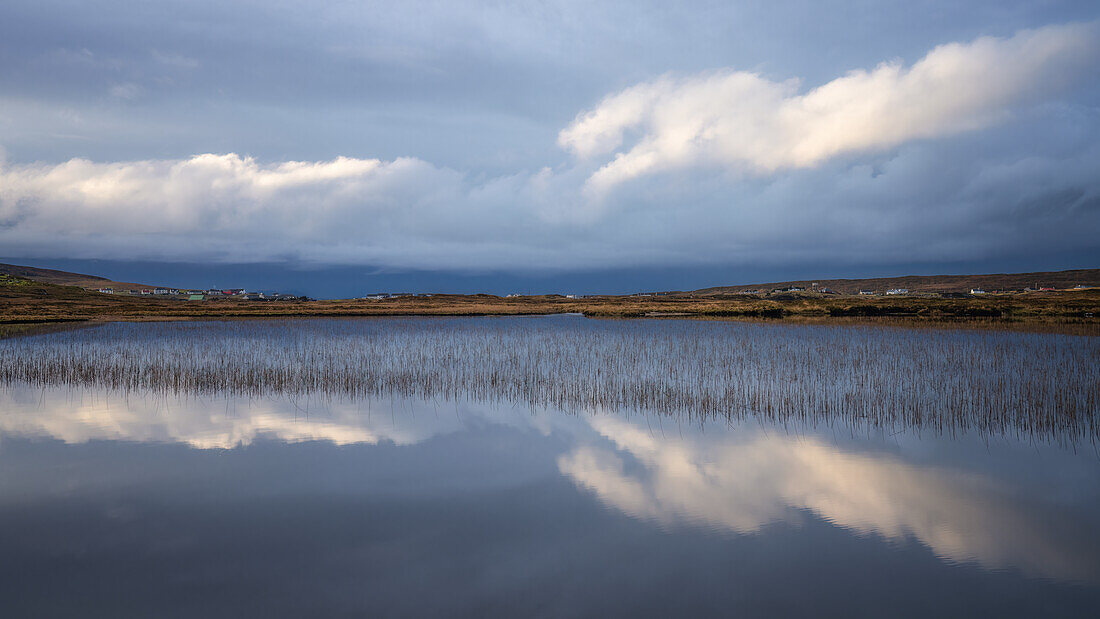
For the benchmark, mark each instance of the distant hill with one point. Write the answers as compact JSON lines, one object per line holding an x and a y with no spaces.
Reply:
{"x":1060,"y":280}
{"x":64,"y":278}
{"x":931,"y":283}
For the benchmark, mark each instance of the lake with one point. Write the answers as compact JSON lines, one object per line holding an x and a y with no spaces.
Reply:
{"x":548,"y":466}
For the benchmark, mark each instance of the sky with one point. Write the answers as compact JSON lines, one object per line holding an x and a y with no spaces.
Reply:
{"x":339,"y":148}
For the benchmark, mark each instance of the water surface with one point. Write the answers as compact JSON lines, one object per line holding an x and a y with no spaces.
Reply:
{"x":544,"y":494}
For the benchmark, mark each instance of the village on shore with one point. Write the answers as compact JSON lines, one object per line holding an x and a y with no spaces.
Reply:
{"x":190,"y":294}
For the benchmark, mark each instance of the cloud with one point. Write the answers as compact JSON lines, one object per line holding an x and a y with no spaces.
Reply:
{"x":128,"y":91}
{"x":930,"y":202}
{"x":405,"y":212}
{"x":746,"y":121}
{"x":846,"y":173}
{"x":227,"y":204}
{"x":178,"y":61}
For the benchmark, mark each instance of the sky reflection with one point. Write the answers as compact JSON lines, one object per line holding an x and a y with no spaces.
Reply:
{"x":744,"y":480}
{"x":962,"y":498}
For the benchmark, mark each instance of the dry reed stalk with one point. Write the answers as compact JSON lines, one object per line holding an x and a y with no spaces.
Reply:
{"x":991,"y":382}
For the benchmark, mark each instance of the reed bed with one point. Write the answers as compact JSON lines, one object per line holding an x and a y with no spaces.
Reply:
{"x":1032,"y":385}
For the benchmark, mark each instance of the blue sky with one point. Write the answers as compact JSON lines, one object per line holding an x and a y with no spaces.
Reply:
{"x":560,"y":145}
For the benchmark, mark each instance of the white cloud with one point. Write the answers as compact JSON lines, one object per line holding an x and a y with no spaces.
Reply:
{"x":923,"y":203}
{"x":746,"y":121}
{"x":805,"y":203}
{"x":226,"y":203}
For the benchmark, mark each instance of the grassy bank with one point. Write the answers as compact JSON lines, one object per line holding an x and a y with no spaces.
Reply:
{"x":25,"y":301}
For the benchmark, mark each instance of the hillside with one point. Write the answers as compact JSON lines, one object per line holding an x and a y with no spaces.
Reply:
{"x":1060,"y":280}
{"x":64,"y":278}
{"x":24,"y":301}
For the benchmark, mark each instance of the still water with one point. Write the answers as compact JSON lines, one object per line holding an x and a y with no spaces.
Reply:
{"x":144,"y":500}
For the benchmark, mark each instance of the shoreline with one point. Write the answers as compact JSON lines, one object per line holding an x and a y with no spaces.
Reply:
{"x":1048,"y":325}
{"x":25,"y":302}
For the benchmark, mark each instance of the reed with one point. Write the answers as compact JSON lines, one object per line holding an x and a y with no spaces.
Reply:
{"x":1026,"y":384}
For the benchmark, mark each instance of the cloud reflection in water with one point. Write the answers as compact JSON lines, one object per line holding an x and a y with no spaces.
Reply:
{"x":742,"y":481}
{"x":738,"y":480}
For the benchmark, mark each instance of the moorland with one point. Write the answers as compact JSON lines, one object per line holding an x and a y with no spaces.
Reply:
{"x":30,"y":296}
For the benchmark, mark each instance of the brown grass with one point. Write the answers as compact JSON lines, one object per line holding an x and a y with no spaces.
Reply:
{"x":24,"y":301}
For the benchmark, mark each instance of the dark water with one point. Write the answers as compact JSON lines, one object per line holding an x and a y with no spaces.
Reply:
{"x":149,"y":502}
